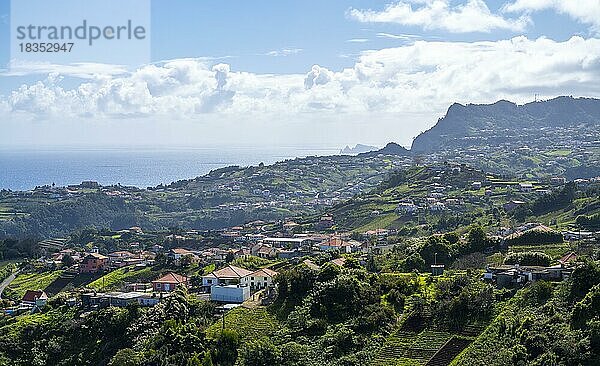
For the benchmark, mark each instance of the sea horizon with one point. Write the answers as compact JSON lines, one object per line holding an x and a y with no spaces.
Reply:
{"x":24,"y":168}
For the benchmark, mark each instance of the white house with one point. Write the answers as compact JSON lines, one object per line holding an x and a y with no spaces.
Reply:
{"x":230,"y":293}
{"x":230,"y":275}
{"x":407,"y":208}
{"x":259,"y":279}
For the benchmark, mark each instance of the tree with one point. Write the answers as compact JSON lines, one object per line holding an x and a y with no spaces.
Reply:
{"x":125,"y":357}
{"x":260,"y":352}
{"x":528,"y":259}
{"x":477,"y":241}
{"x":225,"y":352}
{"x":67,"y":260}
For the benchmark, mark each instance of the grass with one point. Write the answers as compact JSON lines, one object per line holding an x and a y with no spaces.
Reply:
{"x":248,"y":323}
{"x":556,"y":153}
{"x":30,"y":281}
{"x":6,"y":268}
{"x":379,"y":222}
{"x":117,"y":278}
{"x":556,"y":251}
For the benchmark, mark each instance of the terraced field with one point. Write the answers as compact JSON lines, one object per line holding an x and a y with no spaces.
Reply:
{"x":30,"y":281}
{"x":248,"y":323}
{"x":555,"y":251}
{"x":117,"y":278}
{"x":405,"y":348}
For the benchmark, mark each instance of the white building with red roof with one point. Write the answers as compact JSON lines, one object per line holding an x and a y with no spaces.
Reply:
{"x":169,"y":282}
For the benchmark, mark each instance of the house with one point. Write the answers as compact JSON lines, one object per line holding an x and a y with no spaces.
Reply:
{"x":509,"y":206}
{"x":169,"y":282}
{"x":93,"y":263}
{"x":406,"y":208}
{"x":230,"y":275}
{"x":310,"y":264}
{"x":241,"y":253}
{"x":177,"y":254}
{"x":264,"y":251}
{"x":34,"y":298}
{"x":119,"y":258}
{"x":326,"y":222}
{"x":120,"y":299}
{"x":437,"y":207}
{"x":338,"y":261}
{"x":259,"y":279}
{"x":230,"y":293}
{"x":335,"y":244}
{"x":289,"y":243}
{"x":379,"y":233}
{"x":567,"y":259}
{"x":525,"y":187}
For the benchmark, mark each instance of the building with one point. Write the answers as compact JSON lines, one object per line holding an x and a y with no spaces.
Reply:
{"x":177,"y":254}
{"x":120,"y":299}
{"x":335,"y":244}
{"x":509,"y":206}
{"x":34,"y":298}
{"x":169,"y":282}
{"x":93,"y":263}
{"x":407,"y":208}
{"x":230,"y":275}
{"x":120,"y":258}
{"x":230,"y":293}
{"x":264,"y":251}
{"x":289,"y":243}
{"x":525,"y":187}
{"x":326,"y":222}
{"x":259,"y":279}
{"x":437,"y":269}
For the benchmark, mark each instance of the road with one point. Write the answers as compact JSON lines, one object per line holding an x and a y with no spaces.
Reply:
{"x":7,"y":282}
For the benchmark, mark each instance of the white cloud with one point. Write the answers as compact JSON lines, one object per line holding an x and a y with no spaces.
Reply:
{"x":84,"y":70}
{"x":284,"y":52}
{"x":406,"y":37}
{"x":584,"y":11}
{"x":357,"y":40}
{"x":471,"y":16}
{"x":423,"y":78}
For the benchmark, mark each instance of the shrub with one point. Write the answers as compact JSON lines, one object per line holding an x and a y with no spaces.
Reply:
{"x":528,"y":259}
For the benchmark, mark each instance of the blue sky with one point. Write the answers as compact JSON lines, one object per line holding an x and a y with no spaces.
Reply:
{"x":369,"y":54}
{"x":244,"y":31}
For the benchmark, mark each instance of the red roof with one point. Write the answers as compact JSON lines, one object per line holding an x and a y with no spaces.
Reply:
{"x":568,"y":258}
{"x":33,"y":295}
{"x":231,"y":272}
{"x":181,"y":251}
{"x":334,"y":242}
{"x":264,"y":272}
{"x":171,"y":278}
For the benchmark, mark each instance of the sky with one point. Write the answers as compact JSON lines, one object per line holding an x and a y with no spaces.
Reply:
{"x":280,"y":72}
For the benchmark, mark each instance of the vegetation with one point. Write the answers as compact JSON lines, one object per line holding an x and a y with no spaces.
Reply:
{"x":30,"y":281}
{"x":538,"y":327}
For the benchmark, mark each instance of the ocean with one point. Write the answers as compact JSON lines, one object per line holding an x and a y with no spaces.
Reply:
{"x":24,"y":169}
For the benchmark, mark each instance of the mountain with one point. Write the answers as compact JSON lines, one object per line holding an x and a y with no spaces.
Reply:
{"x":391,"y":148}
{"x":358,"y":149}
{"x":465,"y":125}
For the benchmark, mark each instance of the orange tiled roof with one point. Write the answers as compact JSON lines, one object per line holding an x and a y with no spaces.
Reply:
{"x":231,"y":272}
{"x":171,"y":278}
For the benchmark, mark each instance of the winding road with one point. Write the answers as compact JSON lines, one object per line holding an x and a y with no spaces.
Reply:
{"x":7,"y":282}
